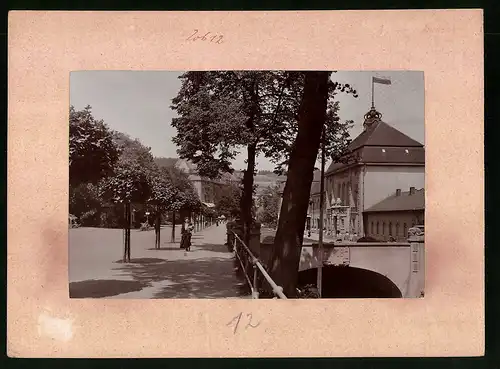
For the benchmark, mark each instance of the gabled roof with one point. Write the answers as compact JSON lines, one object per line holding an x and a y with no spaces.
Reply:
{"x":401,"y":202}
{"x":382,"y":143}
{"x":382,"y":134}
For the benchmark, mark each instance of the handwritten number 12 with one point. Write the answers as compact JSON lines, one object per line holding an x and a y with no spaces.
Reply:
{"x":236,"y":321}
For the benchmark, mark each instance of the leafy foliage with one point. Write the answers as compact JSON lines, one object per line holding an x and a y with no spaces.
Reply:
{"x":268,"y":202}
{"x":165,"y":162}
{"x":84,"y":200}
{"x":215,"y":107}
{"x":133,"y":175}
{"x":163,"y":191}
{"x":185,"y":197}
{"x":209,"y":124}
{"x":131,"y":183}
{"x":126,"y":172}
{"x":92,"y":151}
{"x":229,"y":202}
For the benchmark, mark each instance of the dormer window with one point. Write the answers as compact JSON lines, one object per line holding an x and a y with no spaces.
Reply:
{"x":406,"y":151}
{"x":383,"y":150}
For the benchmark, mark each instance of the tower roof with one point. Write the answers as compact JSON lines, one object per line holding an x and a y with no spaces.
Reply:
{"x":382,"y":134}
{"x":381,"y":143}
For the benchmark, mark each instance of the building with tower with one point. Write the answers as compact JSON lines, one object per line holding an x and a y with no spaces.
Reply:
{"x":378,"y":162}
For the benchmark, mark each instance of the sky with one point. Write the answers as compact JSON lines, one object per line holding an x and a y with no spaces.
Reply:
{"x":138,"y":103}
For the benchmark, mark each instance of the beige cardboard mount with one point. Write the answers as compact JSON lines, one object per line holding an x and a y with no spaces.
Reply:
{"x":45,"y":46}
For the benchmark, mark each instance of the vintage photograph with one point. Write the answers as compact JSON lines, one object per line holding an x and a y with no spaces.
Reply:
{"x":246,"y":184}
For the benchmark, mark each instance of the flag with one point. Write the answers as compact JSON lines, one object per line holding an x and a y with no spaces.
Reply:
{"x":383,"y":81}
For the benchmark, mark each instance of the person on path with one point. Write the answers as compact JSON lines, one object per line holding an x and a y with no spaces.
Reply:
{"x":186,"y":235}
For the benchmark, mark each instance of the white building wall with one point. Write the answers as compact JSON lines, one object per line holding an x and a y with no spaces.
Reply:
{"x":381,"y":182}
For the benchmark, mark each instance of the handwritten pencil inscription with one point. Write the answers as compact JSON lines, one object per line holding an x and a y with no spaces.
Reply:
{"x":207,"y":37}
{"x":235,"y":322}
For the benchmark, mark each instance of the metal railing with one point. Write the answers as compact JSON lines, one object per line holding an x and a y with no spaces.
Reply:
{"x":257,"y":266}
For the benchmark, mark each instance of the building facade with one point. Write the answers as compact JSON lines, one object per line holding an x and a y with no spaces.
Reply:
{"x":378,"y":161}
{"x":208,"y":190}
{"x":394,"y":216}
{"x":314,"y":209}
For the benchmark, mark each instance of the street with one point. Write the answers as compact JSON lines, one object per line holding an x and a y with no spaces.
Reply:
{"x":96,"y":268}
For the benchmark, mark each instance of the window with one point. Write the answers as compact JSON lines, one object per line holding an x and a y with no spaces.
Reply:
{"x":404,"y":229}
{"x":338,"y":191}
{"x":397,"y":229}
{"x":373,"y":228}
{"x":343,"y":194}
{"x":390,"y":229}
{"x":383,"y":229}
{"x":378,"y":229}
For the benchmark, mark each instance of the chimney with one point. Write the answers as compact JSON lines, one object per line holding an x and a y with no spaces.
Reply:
{"x":398,"y":192}
{"x":412,"y":190}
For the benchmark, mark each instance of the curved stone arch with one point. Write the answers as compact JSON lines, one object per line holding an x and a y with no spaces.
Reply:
{"x":351,"y":282}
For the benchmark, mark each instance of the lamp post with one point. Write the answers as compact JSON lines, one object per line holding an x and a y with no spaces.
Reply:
{"x":321,"y":215}
{"x":311,"y":217}
{"x":147,"y":217}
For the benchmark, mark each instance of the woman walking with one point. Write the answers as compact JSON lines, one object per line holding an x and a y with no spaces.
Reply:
{"x":186,"y":235}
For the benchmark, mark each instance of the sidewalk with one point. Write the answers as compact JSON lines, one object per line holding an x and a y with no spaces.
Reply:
{"x":207,"y":271}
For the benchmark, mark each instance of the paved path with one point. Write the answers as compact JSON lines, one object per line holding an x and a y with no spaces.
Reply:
{"x":207,"y":271}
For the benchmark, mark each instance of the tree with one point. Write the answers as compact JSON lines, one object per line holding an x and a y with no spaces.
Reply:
{"x":85,"y":203}
{"x":290,"y":233}
{"x":92,"y":151}
{"x":268,"y":202}
{"x":131,"y":182}
{"x":220,"y":112}
{"x":163,"y":193}
{"x":229,"y":202}
{"x":185,"y":199}
{"x":165,"y":162}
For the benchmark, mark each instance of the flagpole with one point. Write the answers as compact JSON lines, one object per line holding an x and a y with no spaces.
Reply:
{"x":373,"y":105}
{"x":319,"y":283}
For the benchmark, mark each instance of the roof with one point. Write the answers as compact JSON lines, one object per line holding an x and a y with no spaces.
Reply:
{"x":381,"y":143}
{"x":382,"y":134}
{"x":385,"y":155}
{"x":403,"y":202}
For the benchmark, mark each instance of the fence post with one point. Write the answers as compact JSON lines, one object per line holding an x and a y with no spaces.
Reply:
{"x":255,"y":239}
{"x":255,"y":283}
{"x":230,"y":236}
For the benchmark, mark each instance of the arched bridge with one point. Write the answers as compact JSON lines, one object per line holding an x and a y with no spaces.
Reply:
{"x":370,"y":269}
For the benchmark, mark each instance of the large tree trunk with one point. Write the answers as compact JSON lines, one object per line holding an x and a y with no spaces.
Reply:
{"x":247,"y":195}
{"x":290,"y":233}
{"x":248,"y":177}
{"x":173,"y":227}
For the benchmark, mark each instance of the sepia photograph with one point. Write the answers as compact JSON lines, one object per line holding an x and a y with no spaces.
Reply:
{"x":246,"y":184}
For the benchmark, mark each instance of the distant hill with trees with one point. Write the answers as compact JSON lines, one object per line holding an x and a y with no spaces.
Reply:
{"x":165,"y":162}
